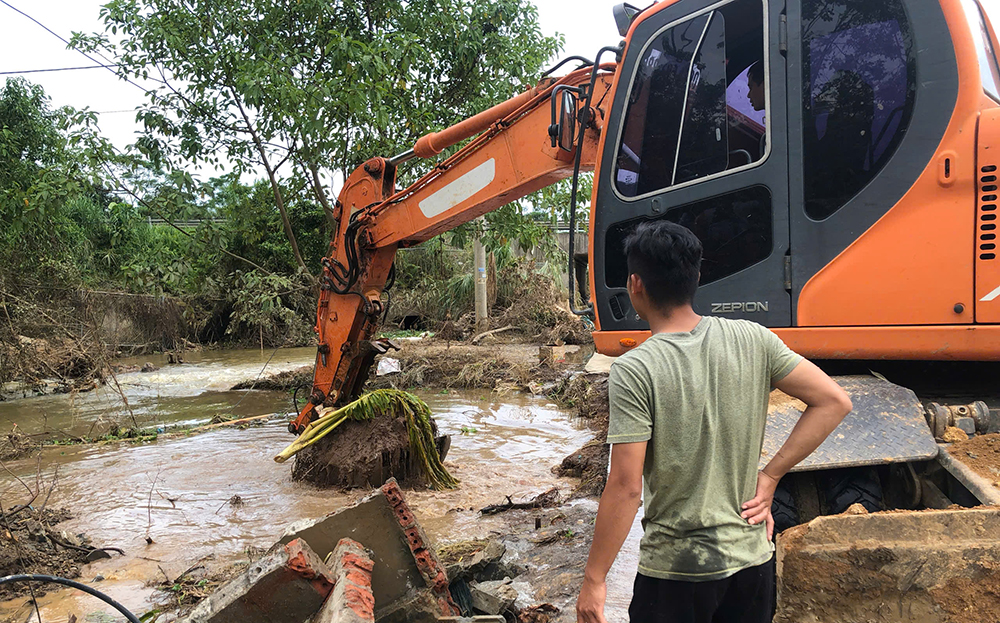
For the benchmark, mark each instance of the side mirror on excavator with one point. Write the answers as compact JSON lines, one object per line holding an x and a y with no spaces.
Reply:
{"x":567,"y":121}
{"x":563,"y":131}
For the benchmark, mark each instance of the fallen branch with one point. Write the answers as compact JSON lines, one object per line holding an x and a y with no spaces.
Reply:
{"x":491,"y":332}
{"x":543,"y":500}
{"x":231,"y":422}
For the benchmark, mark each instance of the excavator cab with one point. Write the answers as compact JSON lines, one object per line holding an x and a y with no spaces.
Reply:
{"x":780,"y":133}
{"x":685,"y":142}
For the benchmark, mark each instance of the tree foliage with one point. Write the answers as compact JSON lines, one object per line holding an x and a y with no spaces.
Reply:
{"x":307,"y":88}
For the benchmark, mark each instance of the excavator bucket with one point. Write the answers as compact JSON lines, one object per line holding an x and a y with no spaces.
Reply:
{"x":931,"y":566}
{"x":887,"y":425}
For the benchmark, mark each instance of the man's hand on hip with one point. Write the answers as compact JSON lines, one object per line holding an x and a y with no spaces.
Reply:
{"x":758,"y":509}
{"x":590,"y":604}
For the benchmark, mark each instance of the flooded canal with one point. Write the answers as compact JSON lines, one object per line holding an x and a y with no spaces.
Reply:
{"x":176,"y":490}
{"x":174,"y":394}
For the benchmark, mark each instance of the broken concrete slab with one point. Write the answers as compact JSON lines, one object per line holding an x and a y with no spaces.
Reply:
{"x":352,"y":600}
{"x":479,"y":565}
{"x":927,"y":566}
{"x":287,"y":586}
{"x":403,"y":563}
{"x":493,"y":597}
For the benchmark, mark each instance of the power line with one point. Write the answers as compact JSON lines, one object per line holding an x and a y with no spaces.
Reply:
{"x":39,"y":71}
{"x":109,"y":66}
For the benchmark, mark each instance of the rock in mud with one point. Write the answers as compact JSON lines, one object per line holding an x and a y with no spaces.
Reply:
{"x":479,"y":562}
{"x":493,"y":597}
{"x":287,"y":586}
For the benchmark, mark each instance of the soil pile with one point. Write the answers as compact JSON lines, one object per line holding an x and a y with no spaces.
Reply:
{"x":590,"y":465}
{"x":587,"y":394}
{"x":29,"y":544}
{"x":361,"y":454}
{"x":439,"y":364}
{"x":971,"y":601}
{"x":981,"y":454}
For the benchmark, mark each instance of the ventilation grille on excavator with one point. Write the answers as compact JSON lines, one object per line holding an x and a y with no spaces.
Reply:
{"x":988,"y":212}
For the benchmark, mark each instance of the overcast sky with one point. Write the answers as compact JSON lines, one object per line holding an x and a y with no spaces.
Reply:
{"x":586,"y":24}
{"x":25,"y":45}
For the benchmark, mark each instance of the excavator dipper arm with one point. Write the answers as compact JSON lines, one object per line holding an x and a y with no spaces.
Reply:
{"x":511,"y":157}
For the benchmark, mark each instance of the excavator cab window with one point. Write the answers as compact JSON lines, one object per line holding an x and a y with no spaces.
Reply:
{"x":696,"y":104}
{"x":859,"y":86}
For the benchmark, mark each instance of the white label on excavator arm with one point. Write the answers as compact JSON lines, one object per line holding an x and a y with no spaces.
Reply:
{"x":459,"y":190}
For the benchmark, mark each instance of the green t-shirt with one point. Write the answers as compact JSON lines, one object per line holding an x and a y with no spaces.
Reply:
{"x":700,"y":399}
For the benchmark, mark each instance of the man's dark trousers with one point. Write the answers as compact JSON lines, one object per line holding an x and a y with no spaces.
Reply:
{"x":744,"y":597}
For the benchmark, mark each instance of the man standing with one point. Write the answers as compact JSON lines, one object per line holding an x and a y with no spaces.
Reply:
{"x":688,"y":409}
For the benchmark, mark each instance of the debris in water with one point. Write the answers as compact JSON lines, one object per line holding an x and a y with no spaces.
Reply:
{"x":29,"y":544}
{"x":542,"y":613}
{"x":387,"y":365}
{"x":547,"y":499}
{"x":15,"y":445}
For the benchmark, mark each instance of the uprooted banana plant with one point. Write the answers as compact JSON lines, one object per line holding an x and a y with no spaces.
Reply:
{"x":383,"y":403}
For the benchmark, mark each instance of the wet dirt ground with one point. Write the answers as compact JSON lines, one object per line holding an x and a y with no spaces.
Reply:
{"x":177,"y":490}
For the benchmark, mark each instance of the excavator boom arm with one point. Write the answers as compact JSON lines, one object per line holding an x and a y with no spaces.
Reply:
{"x":511,"y":157}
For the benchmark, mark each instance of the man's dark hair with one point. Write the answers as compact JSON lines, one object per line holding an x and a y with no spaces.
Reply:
{"x":756,"y":73}
{"x":667,"y":257}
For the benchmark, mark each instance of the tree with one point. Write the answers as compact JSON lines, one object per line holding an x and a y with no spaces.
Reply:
{"x":307,"y":88}
{"x":38,"y":167}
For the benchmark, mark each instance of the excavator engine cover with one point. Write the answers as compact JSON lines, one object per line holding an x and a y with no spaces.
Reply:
{"x":887,"y":425}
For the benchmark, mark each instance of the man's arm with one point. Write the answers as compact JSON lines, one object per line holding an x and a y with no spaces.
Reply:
{"x":826,"y":405}
{"x":620,"y":501}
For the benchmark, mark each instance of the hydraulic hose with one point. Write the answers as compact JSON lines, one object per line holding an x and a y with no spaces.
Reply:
{"x":589,"y":309}
{"x":51,"y":579}
{"x":567,"y":60}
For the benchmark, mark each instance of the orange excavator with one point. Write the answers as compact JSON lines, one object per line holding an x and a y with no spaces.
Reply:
{"x":838,"y":160}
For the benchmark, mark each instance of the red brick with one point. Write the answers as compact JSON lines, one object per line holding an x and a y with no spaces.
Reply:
{"x":357,"y":562}
{"x":360,"y":578}
{"x":352,"y":600}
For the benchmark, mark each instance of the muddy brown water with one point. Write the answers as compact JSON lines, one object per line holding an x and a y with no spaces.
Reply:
{"x":177,"y":490}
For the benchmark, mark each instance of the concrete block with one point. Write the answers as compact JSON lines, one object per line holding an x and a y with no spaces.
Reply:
{"x":929,"y":566}
{"x":493,"y":597}
{"x":352,"y":600}
{"x":287,"y":586}
{"x":403,"y":563}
